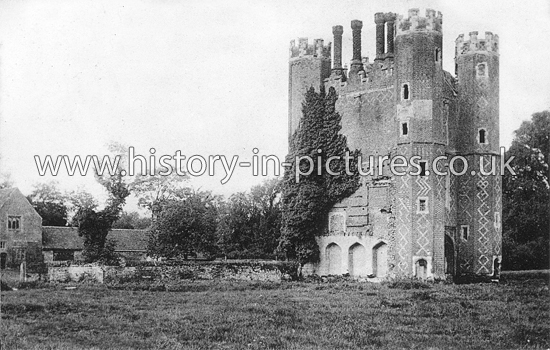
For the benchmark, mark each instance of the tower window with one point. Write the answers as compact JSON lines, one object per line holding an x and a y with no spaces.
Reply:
{"x":422,"y":169}
{"x":464,"y":231}
{"x":422,"y":205}
{"x":481,"y":70}
{"x":404,"y":128}
{"x":437,"y":54}
{"x":405,"y":91}
{"x":482,"y":136}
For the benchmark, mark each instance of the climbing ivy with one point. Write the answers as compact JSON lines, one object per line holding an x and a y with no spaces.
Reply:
{"x":307,"y":199}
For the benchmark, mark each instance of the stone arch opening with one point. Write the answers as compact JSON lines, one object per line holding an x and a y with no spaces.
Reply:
{"x":357,"y":260}
{"x":333,"y":254}
{"x":421,"y":269}
{"x":449,"y":256}
{"x":496,"y":268}
{"x":380,"y":259}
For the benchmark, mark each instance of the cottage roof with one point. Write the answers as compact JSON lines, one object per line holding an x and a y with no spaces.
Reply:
{"x":57,"y":237}
{"x":129,"y":239}
{"x":5,"y":195}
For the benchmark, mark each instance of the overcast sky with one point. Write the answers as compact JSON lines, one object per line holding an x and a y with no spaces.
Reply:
{"x":207,"y":77}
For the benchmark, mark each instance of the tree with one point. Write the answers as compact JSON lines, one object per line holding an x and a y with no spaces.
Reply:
{"x":306,"y":201}
{"x":132,"y":220}
{"x":77,"y":201}
{"x":94,"y":225}
{"x":5,"y":180}
{"x":50,"y":203}
{"x":185,"y":227}
{"x":249,"y":223}
{"x":526,"y":197}
{"x":154,"y":190}
{"x":267,"y":197}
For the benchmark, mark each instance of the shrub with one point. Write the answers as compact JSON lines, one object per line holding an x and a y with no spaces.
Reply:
{"x":409,"y":284}
{"x":4,"y":286}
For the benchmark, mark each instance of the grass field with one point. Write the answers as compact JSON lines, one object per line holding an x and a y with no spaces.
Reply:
{"x":289,"y":315}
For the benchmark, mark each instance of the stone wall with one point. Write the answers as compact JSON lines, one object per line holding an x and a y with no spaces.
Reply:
{"x":75,"y":273}
{"x":273,"y":271}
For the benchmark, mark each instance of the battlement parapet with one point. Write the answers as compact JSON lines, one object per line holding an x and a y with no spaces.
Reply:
{"x":315,"y":49}
{"x":414,"y":23}
{"x":475,"y":44}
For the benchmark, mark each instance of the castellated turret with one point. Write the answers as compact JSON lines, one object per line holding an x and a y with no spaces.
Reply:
{"x":479,"y":194}
{"x":401,"y":103}
{"x":309,"y":65}
{"x":419,"y":82}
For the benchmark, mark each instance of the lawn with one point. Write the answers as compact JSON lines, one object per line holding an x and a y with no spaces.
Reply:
{"x":289,"y":315}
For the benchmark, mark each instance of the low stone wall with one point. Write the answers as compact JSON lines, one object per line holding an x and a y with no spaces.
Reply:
{"x":275,"y":271}
{"x":75,"y":273}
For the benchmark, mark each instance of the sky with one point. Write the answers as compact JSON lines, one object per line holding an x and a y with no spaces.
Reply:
{"x":207,"y":77}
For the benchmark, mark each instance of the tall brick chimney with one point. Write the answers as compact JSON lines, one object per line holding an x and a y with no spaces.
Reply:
{"x":337,"y":31}
{"x":380,"y":19}
{"x":390,"y":23}
{"x":356,"y":61}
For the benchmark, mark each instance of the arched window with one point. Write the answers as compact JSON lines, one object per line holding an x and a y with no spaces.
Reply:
{"x":421,"y":269}
{"x":437,"y":54}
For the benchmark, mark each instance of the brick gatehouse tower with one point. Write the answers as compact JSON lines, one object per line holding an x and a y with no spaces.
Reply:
{"x":402,"y":103}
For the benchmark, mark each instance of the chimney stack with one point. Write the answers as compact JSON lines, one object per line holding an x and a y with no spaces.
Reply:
{"x":390,"y":21}
{"x":356,"y":62}
{"x":337,"y":31}
{"x":380,"y":20}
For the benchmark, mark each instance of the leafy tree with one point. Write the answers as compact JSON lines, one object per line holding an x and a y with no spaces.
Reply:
{"x":132,"y":220}
{"x":50,"y":203}
{"x":77,"y":201}
{"x":267,"y":197}
{"x":185,"y":227}
{"x":236,"y":228}
{"x":154,"y":190}
{"x":306,"y":202}
{"x":6,"y":181}
{"x":526,"y":197}
{"x":249,"y":223}
{"x":94,"y":225}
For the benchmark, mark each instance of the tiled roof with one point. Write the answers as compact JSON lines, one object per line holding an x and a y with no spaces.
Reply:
{"x":57,"y":237}
{"x":129,"y":239}
{"x":5,"y":195}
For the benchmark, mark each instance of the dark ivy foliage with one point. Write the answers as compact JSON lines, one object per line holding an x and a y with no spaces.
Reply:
{"x":306,"y":202}
{"x":94,"y":227}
